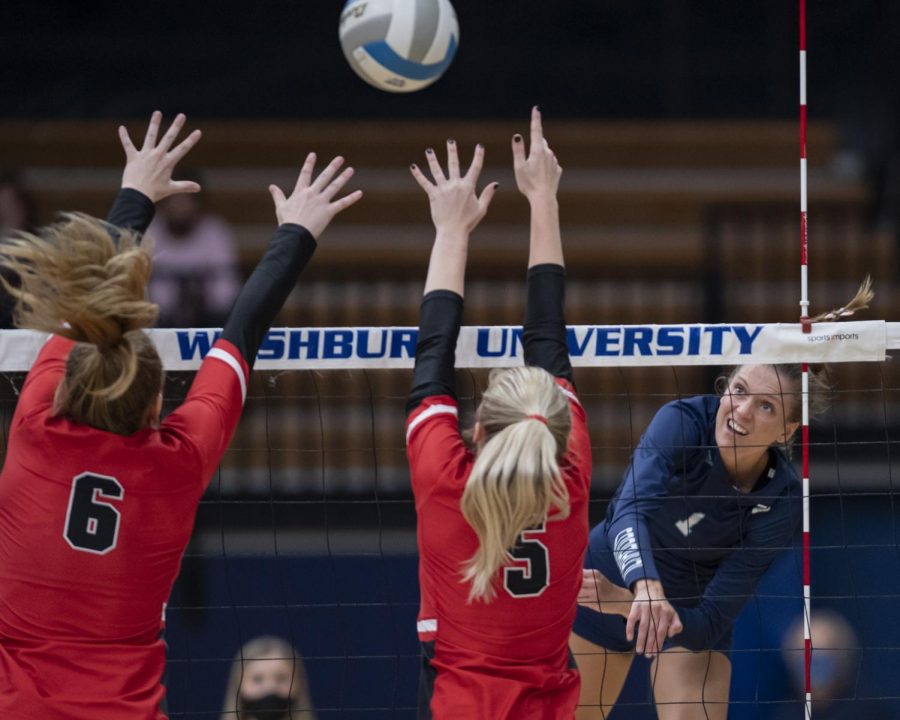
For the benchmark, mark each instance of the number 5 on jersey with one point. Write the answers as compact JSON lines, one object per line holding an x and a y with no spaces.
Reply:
{"x":92,"y":522}
{"x":533,"y":579}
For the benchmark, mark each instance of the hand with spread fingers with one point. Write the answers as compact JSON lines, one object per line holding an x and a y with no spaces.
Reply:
{"x":312,"y":203}
{"x":149,"y":170}
{"x":455,"y":206}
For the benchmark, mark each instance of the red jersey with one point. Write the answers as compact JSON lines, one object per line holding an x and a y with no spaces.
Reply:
{"x":92,"y":529}
{"x":508,"y":658}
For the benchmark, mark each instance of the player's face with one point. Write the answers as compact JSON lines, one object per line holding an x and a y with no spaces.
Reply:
{"x":267,"y":676}
{"x":752,"y":412}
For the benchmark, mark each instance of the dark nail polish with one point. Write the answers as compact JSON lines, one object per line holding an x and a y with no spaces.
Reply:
{"x":429,"y":151}
{"x":412,"y":166}
{"x":517,"y":138}
{"x":451,"y":141}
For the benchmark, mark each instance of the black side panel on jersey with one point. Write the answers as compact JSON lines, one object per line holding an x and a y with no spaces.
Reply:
{"x":131,"y":210}
{"x":439,"y":320}
{"x":427,"y":676}
{"x":544,"y":333}
{"x":265,"y":291}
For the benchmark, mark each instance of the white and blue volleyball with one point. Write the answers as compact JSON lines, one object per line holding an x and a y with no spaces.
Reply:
{"x":399,"y":45}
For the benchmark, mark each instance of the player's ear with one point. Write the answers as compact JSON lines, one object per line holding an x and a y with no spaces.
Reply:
{"x":154,"y":412}
{"x":789,"y":431}
{"x":478,"y":434}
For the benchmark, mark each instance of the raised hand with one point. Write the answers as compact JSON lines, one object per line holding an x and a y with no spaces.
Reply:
{"x":312,"y":202}
{"x":538,"y":172}
{"x":654,"y":617}
{"x":149,"y":170}
{"x":455,"y":206}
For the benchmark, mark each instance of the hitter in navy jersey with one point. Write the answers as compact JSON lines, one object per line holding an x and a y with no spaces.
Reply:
{"x":502,"y":525}
{"x":98,"y":493}
{"x":709,"y":501}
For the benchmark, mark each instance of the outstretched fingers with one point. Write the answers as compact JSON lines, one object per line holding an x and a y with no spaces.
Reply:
{"x":335,"y":186}
{"x":346,"y":201}
{"x":184,"y":147}
{"x":304,"y":179}
{"x":476,"y":165}
{"x":169,"y":138}
{"x":152,"y":131}
{"x":518,"y":151}
{"x":327,"y":175}
{"x":436,"y":172}
{"x":452,"y":160}
{"x":127,"y":145}
{"x":420,"y":178}
{"x":277,"y":194}
{"x":484,"y":200}
{"x":537,"y":128}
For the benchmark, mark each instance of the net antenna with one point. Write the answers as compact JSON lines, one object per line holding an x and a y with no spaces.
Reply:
{"x":804,"y":378}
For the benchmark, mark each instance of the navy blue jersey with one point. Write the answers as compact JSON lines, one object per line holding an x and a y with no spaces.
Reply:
{"x":677,"y":518}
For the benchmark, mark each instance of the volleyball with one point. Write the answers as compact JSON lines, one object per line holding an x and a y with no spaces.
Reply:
{"x":399,"y":45}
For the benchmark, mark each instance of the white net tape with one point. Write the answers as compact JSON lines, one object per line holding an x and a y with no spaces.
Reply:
{"x":487,"y":347}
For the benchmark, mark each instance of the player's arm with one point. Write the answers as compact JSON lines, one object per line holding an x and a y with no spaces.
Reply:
{"x":544,"y":332}
{"x":213,"y":405}
{"x":456,"y":210}
{"x":302,"y":217}
{"x":661,"y":452}
{"x":147,"y":177}
{"x":658,"y":455}
{"x":736,"y":579}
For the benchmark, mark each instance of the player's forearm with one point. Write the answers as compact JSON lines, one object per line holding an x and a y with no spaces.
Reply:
{"x":265,"y":291}
{"x":447,"y":266}
{"x":546,"y":241}
{"x":544,"y":338}
{"x":439,"y":321}
{"x":629,"y":538}
{"x":131,"y":210}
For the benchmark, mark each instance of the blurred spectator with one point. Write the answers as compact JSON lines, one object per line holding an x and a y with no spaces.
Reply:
{"x":195,"y":266}
{"x":834,"y":670}
{"x":17,"y":212}
{"x":267,"y":682}
{"x":17,"y":208}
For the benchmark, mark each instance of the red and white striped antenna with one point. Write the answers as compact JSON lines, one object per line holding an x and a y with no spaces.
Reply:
{"x":804,"y":320}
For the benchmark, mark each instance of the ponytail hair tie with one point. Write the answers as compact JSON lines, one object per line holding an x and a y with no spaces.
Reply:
{"x":539,"y":418}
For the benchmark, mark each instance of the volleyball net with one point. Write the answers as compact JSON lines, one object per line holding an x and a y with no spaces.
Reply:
{"x":307,"y":531}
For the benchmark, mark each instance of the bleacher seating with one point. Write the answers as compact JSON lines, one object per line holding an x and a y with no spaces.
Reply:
{"x":663,"y":223}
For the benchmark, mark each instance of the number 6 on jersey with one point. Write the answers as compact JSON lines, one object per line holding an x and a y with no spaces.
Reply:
{"x":92,"y":525}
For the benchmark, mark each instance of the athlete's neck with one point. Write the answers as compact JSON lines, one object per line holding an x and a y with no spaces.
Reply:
{"x":745,"y":466}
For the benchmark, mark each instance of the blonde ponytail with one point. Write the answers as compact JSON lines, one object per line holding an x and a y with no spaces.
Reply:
{"x":516,"y":480}
{"x":860,"y":301}
{"x":73,"y":281}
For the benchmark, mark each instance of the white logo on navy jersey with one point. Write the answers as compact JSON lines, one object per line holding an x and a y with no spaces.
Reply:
{"x":685,"y":526}
{"x":760,"y":509}
{"x":627,"y":552}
